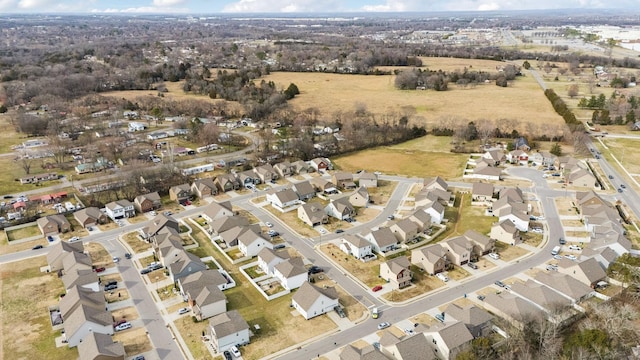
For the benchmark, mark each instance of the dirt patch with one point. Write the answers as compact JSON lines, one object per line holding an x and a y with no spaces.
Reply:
{"x":421,"y":283}
{"x":136,"y":243}
{"x":99,"y":255}
{"x":367,"y":272}
{"x":352,"y":307}
{"x":508,"y":253}
{"x":135,"y":341}
{"x":458,"y":273}
{"x":119,"y":294}
{"x":129,"y":314}
{"x":565,"y":206}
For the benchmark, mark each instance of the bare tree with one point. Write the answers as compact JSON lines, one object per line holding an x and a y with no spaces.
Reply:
{"x":573,"y":91}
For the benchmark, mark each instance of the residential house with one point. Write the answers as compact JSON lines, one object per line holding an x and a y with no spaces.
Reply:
{"x":312,"y":301}
{"x":312,"y":214}
{"x":587,"y":272}
{"x":357,"y":246}
{"x":225,"y":223}
{"x":85,"y":278}
{"x":368,"y":180}
{"x":120,"y":209}
{"x":513,"y":194}
{"x":230,"y":237}
{"x":284,"y":169}
{"x":436,"y":211}
{"x":321,"y":164}
{"x":541,"y":295}
{"x":250,"y":243}
{"x":157,"y":135}
{"x":519,"y":218}
{"x":582,"y":178}
{"x":435,"y":183}
{"x":566,"y":285}
{"x":340,"y":208}
{"x":301,"y":167}
{"x":604,"y":256}
{"x":206,"y":301}
{"x":343,"y":180}
{"x":449,"y":339}
{"x":192,"y":283}
{"x":432,"y":258}
{"x":92,"y":166}
{"x":513,"y":308}
{"x":248,"y":178}
{"x":180,"y":193}
{"x":282,"y":199}
{"x":37,"y":178}
{"x":53,"y":224}
{"x":266,"y":173}
{"x":487,"y":173}
{"x":521,"y":143}
{"x":158,"y":223}
{"x":543,"y":158}
{"x":482,"y":193}
{"x":382,"y":240}
{"x":323,"y":185}
{"x":477,"y":321}
{"x":269,"y":258}
{"x":360,"y":197}
{"x":421,"y":219}
{"x":506,"y":232}
{"x":85,"y":320}
{"x":304,"y":190}
{"x":136,"y":126}
{"x":405,"y":230}
{"x":77,"y":296}
{"x":397,"y":272}
{"x":167,"y":247}
{"x":227,"y":182}
{"x":97,"y":346}
{"x":495,"y":157}
{"x":183,"y":264}
{"x":58,"y":251}
{"x":147,"y":202}
{"x":76,"y":261}
{"x":369,"y":352}
{"x":565,"y":163}
{"x":519,"y":157}
{"x":217,"y":210}
{"x":228,"y":329}
{"x":416,"y":347}
{"x":482,"y":244}
{"x":204,"y":187}
{"x":291,"y":273}
{"x":458,"y":249}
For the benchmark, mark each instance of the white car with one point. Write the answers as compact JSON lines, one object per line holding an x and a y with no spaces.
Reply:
{"x":571,"y":257}
{"x":383,"y":325}
{"x":268,"y":224}
{"x":575,"y":247}
{"x":234,"y":350}
{"x":75,"y":238}
{"x":183,"y":310}
{"x":442,"y":277}
{"x":116,"y":259}
{"x":409,"y":332}
{"x":153,"y":213}
{"x":323,"y":231}
{"x":494,"y":256}
{"x":123,"y":326}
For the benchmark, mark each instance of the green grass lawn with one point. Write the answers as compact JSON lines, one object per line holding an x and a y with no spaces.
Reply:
{"x":462,"y":217}
{"x":23,"y":233}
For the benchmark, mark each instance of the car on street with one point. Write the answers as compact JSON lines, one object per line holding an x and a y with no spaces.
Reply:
{"x":623,"y":186}
{"x":562,"y":241}
{"x":481,"y":297}
{"x":127,"y":255}
{"x":383,"y":325}
{"x":227,"y":355}
{"x":123,"y":326}
{"x":235,"y":351}
{"x":183,"y":310}
{"x":500,"y":283}
{"x":494,"y":256}
{"x":611,"y":177}
{"x":376,"y":288}
{"x":37,"y":247}
{"x":116,"y":259}
{"x":268,"y":224}
{"x":339,"y":231}
{"x":619,"y":190}
{"x":390,"y":217}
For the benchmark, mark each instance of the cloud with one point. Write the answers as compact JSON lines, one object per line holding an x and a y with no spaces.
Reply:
{"x":7,"y":5}
{"x":288,"y":6}
{"x":143,"y":10}
{"x":167,"y":3}
{"x":33,"y":4}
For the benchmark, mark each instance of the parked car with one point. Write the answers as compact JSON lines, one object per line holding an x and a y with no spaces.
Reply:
{"x":123,"y":326}
{"x":409,"y":332}
{"x":119,"y":322}
{"x":611,"y":177}
{"x":315,"y":269}
{"x":339,"y":231}
{"x":37,"y":247}
{"x":376,"y":288}
{"x":50,"y":238}
{"x":571,"y":257}
{"x":557,"y":257}
{"x":75,"y":238}
{"x":183,"y":310}
{"x":100,"y":269}
{"x":127,"y":255}
{"x":340,"y":311}
{"x":390,"y":217}
{"x":383,"y":325}
{"x":268,"y":224}
{"x":562,"y":241}
{"x":145,"y":271}
{"x":552,"y":267}
{"x":500,"y":283}
{"x":442,"y":277}
{"x":472,"y":265}
{"x":481,"y":297}
{"x":623,"y":186}
{"x":116,"y":259}
{"x":619,"y":190}
{"x":279,"y":246}
{"x":575,"y":247}
{"x":227,"y":355}
{"x":494,"y":256}
{"x":139,"y":357}
{"x":235,"y":351}
{"x":110,"y":287}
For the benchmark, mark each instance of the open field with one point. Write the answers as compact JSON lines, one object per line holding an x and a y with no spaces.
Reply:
{"x":463,"y":216}
{"x":523,"y":100}
{"x":420,"y":284}
{"x":366,"y":272}
{"x":25,"y":294}
{"x":392,"y":161}
{"x":23,"y":233}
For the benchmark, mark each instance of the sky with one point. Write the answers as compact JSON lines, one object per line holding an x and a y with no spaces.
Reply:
{"x":293,"y":6}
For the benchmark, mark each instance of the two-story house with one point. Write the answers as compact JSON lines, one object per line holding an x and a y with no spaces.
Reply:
{"x":397,"y":272}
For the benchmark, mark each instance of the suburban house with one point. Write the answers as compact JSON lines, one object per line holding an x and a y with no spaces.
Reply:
{"x":521,"y":143}
{"x":506,"y":232}
{"x":301,"y":167}
{"x":513,"y":194}
{"x":282,"y":199}
{"x":405,"y":230}
{"x":541,"y":295}
{"x":459,"y":250}
{"x":496,"y":157}
{"x":566,"y":285}
{"x":84,"y":278}
{"x":228,"y":329}
{"x":204,"y":187}
{"x":291,"y":273}
{"x":582,"y":178}
{"x":136,"y":126}
{"x":183,"y":264}
{"x":321,"y":164}
{"x":426,"y":197}
{"x":519,"y":157}
{"x":340,"y":209}
{"x":248,"y":178}
{"x":225,"y":223}
{"x":58,"y":251}
{"x":397,"y":272}
{"x":304,"y":190}
{"x":160,"y":222}
{"x":230,"y":237}
{"x":37,"y":178}
{"x":53,"y":224}
{"x":85,"y":320}
{"x":449,"y":338}
{"x":513,"y":308}
{"x":477,"y":321}
{"x":543,"y":158}
{"x":266,"y":173}
{"x":368,"y":180}
{"x":227,"y":182}
{"x":604,"y":256}
{"x":382,"y":240}
{"x":76,"y":261}
{"x":432,"y":258}
{"x":217,"y":210}
{"x":167,"y":247}
{"x":312,"y":301}
{"x":519,"y":218}
{"x":90,"y":166}
{"x":250,"y":243}
{"x":120,"y":209}
{"x":193,"y":282}
{"x":343,"y":180}
{"x":357,"y":246}
{"x":482,"y":193}
{"x":360,"y":197}
{"x":90,"y":216}
{"x":147,"y":202}
{"x":284,"y":169}
{"x":269,"y":258}
{"x":487,"y":173}
{"x":206,"y":301}
{"x":421,"y":219}
{"x":323,"y":185}
{"x":180,"y":193}
{"x":436,"y":211}
{"x":407,"y":347}
{"x":587,"y":272}
{"x":97,"y":346}
{"x":482,"y":244}
{"x":369,"y":352}
{"x":435,"y":183}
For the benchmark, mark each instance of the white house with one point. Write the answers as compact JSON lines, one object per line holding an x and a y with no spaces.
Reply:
{"x":282,"y":199}
{"x":382,"y":240}
{"x":312,"y":301}
{"x":84,"y":320}
{"x":228,"y":329}
{"x":291,"y":273}
{"x":250,"y":243}
{"x":436,"y":211}
{"x":519,"y":218}
{"x":268,"y":259}
{"x":136,"y":126}
{"x":340,"y":209}
{"x":357,"y":246}
{"x":518,"y":157}
{"x":120,"y":209}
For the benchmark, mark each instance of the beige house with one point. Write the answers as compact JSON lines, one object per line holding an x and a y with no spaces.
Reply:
{"x":482,"y":193}
{"x":458,"y":249}
{"x":405,"y":230}
{"x":312,"y":214}
{"x":90,"y":216}
{"x":367,"y":179}
{"x":360,"y":197}
{"x":180,"y":192}
{"x":432,"y":258}
{"x":482,"y":244}
{"x":204,"y":187}
{"x":397,"y":272}
{"x":505,"y":232}
{"x":97,"y":346}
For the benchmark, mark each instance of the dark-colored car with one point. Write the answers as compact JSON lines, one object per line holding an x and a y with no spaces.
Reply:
{"x":227,"y":355}
{"x":619,"y":190}
{"x":315,"y":269}
{"x":111,"y":282}
{"x":139,"y":357}
{"x":279,"y":246}
{"x":340,"y":311}
{"x":145,"y":271}
{"x":610,"y":176}
{"x":562,"y":241}
{"x":500,"y":283}
{"x":110,"y":287}
{"x":37,"y":247}
{"x":472,"y":265}
{"x":127,"y":255}
{"x":339,"y":231}
{"x":481,"y":297}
